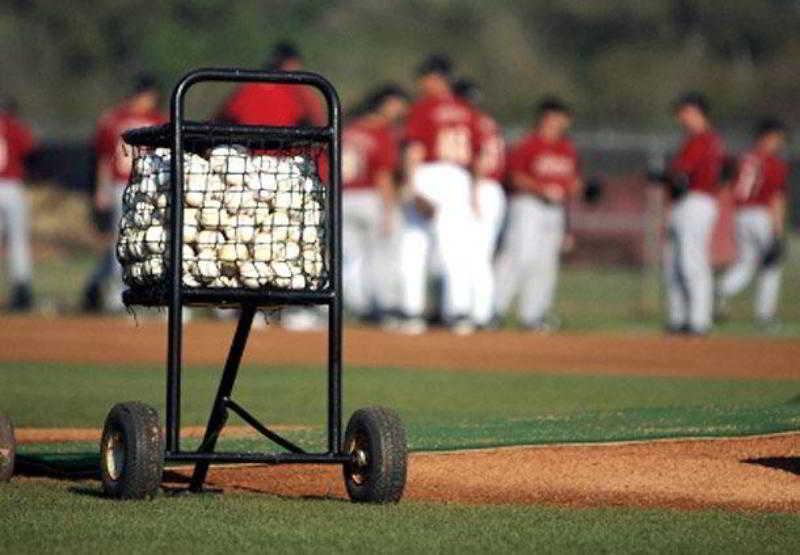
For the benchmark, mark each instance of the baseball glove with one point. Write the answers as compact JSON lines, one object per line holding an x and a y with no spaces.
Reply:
{"x":594,"y":190}
{"x":103,"y":220}
{"x":774,"y":254}
{"x":677,"y":184}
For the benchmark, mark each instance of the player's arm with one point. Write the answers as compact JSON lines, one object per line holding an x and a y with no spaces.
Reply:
{"x":104,"y":145}
{"x":777,"y":209}
{"x":315,"y":113}
{"x":384,"y":182}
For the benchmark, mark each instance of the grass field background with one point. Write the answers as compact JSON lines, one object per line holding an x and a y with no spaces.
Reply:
{"x":442,"y":409}
{"x":69,"y":516}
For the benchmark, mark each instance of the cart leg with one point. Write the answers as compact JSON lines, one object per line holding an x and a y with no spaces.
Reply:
{"x":219,"y":412}
{"x":335,"y":376}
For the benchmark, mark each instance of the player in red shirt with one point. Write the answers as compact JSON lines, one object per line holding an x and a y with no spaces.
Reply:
{"x":694,"y":176}
{"x":370,"y":159}
{"x":543,"y":174}
{"x":276,"y":104}
{"x":16,"y":144}
{"x":139,"y":109}
{"x":490,"y":173}
{"x":760,"y":192}
{"x":442,"y":141}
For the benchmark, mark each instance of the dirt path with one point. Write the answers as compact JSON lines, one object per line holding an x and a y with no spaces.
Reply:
{"x":120,"y":341}
{"x":752,"y":474}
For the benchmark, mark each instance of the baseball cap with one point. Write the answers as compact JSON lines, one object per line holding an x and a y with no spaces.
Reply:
{"x":440,"y":64}
{"x":693,"y":98}
{"x":552,"y":104}
{"x":379,"y":95}
{"x":282,"y":52}
{"x":769,"y":124}
{"x":144,"y":81}
{"x":467,"y":89}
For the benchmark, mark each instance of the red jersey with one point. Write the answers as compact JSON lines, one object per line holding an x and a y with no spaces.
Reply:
{"x":16,"y":143}
{"x":549,"y":164}
{"x":108,"y":142}
{"x":446,"y":127}
{"x":367,"y":150}
{"x":493,"y":148}
{"x":700,"y":158}
{"x":274,"y":104}
{"x":760,"y":178}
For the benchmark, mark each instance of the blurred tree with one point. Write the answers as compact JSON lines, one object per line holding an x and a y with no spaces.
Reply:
{"x":619,"y":61}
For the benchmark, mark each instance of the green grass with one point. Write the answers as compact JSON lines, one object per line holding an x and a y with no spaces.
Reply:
{"x":589,"y":298}
{"x":71,"y":517}
{"x":442,"y":409}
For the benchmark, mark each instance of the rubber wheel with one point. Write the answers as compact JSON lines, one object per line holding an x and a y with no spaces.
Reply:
{"x":376,"y":441}
{"x":132,"y":452}
{"x":8,"y":448}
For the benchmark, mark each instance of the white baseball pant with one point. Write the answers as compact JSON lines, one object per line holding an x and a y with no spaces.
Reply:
{"x":492,"y":203}
{"x":528,"y":262}
{"x":109,"y":270}
{"x":15,"y":220}
{"x":687,"y":262}
{"x":370,"y":255}
{"x":448,"y":235}
{"x":754,"y":235}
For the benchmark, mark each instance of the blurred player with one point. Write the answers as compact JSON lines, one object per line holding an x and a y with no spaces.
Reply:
{"x":760,"y":192}
{"x":16,"y":143}
{"x":276,"y":104}
{"x":283,"y":106}
{"x":139,"y":109}
{"x":693,"y":179}
{"x":543,"y":174}
{"x":441,"y":143}
{"x":370,"y":219}
{"x":489,"y":172}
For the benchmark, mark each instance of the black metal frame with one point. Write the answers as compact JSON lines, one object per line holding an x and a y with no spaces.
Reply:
{"x":174,"y":136}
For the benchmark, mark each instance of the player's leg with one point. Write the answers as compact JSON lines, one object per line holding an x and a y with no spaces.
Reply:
{"x":768,"y":285}
{"x":674,"y":280}
{"x":16,"y":215}
{"x":748,"y":254}
{"x":382,"y":260}
{"x":354,"y":242}
{"x":113,"y":297}
{"x":516,"y":253}
{"x":414,"y":249}
{"x":492,"y":207}
{"x":538,"y":293}
{"x":695,"y":245}
{"x":454,"y":230}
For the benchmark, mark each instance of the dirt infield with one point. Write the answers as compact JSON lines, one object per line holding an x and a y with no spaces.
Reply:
{"x":120,"y":341}
{"x":751,"y":474}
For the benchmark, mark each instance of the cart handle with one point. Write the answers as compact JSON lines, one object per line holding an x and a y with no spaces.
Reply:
{"x":300,"y":78}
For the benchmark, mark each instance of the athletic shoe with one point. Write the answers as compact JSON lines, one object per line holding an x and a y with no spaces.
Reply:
{"x":21,"y":298}
{"x":462,"y":326}
{"x":302,"y":319}
{"x":92,"y":299}
{"x":412,"y":326}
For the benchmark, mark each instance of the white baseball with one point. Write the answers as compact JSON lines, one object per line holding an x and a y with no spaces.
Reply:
{"x":209,"y":239}
{"x":213,"y":218}
{"x":155,"y":238}
{"x":207,"y":269}
{"x":189,"y":233}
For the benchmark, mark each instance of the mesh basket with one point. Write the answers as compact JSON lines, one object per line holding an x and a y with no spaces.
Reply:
{"x":254,"y":217}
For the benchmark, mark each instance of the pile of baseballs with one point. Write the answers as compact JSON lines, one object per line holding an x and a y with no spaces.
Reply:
{"x":251,"y":221}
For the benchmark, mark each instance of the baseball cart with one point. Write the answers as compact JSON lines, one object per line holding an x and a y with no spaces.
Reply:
{"x":8,"y":448}
{"x":244,"y":217}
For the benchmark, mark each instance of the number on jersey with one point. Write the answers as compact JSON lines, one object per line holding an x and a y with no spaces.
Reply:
{"x":453,"y":145}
